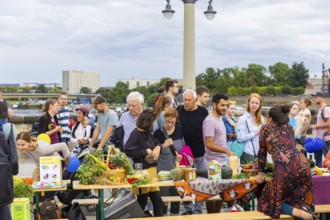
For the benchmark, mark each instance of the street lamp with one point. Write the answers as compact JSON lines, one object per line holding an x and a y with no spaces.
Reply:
{"x":189,"y":74}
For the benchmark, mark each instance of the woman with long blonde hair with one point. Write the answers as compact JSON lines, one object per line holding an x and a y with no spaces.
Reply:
{"x":248,"y":128}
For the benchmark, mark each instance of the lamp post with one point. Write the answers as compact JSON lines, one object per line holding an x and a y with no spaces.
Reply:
{"x":189,"y":72}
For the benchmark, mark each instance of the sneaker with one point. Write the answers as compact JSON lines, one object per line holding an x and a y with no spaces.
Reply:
{"x":187,"y":213}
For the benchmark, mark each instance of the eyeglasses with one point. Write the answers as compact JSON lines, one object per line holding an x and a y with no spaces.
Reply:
{"x":170,"y":122}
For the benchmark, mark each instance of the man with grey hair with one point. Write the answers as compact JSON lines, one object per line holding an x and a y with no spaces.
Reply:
{"x":135,"y":102}
{"x":191,"y":117}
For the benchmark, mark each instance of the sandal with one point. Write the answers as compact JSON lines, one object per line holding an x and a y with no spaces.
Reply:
{"x":308,"y":210}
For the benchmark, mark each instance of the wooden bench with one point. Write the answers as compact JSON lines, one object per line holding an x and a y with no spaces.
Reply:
{"x":322,"y":210}
{"x":247,"y":215}
{"x":166,"y":199}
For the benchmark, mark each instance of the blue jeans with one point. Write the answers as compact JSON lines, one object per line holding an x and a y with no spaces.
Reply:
{"x":287,"y":210}
{"x":318,"y":154}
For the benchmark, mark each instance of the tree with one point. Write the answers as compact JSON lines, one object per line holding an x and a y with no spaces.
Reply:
{"x":41,"y":89}
{"x":85,"y":90}
{"x":299,"y":75}
{"x":280,"y":73}
{"x":255,"y":75}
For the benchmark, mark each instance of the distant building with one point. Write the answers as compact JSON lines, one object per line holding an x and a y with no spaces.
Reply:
{"x":73,"y":80}
{"x":31,"y":84}
{"x":137,"y":82}
{"x":313,"y":85}
{"x":9,"y":84}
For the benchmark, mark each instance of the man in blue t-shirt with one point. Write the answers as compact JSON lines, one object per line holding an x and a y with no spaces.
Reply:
{"x":107,"y":120}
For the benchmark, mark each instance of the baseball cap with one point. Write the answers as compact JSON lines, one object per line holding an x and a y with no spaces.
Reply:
{"x":83,"y":110}
{"x":98,"y":100}
{"x":319,"y":94}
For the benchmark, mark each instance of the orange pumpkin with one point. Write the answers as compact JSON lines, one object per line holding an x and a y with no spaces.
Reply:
{"x":28,"y":180}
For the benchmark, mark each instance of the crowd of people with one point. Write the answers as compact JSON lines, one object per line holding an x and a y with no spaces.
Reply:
{"x":155,"y":137}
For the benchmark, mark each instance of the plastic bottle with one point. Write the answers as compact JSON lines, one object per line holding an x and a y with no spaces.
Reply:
{"x":233,"y":164}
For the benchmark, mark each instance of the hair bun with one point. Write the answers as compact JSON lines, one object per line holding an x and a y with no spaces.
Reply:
{"x":286,"y":109}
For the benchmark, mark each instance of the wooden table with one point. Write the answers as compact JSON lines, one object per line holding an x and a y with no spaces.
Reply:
{"x":100,"y":207}
{"x":41,"y":191}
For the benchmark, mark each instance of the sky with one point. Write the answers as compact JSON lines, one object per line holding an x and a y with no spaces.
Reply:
{"x":122,"y":39}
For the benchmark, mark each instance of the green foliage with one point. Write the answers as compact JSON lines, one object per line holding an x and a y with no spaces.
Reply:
{"x":299,"y":75}
{"x":85,"y":90}
{"x":286,"y":90}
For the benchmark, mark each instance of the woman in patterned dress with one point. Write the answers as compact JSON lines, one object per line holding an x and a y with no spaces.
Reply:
{"x":289,"y":190}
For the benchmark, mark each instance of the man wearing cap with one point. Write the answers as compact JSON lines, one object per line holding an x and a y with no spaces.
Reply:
{"x":63,"y":117}
{"x":322,"y":124}
{"x":107,"y":120}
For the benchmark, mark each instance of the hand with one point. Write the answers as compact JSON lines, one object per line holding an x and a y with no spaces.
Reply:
{"x":156,"y":152}
{"x":149,"y":151}
{"x":258,"y":131}
{"x":260,"y":178}
{"x":178,"y":158}
{"x":168,"y":142}
{"x":230,"y":153}
{"x":80,"y":141}
{"x":313,"y":127}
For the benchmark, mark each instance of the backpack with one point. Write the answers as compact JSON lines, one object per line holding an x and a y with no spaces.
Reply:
{"x":188,"y":158}
{"x":322,"y":113}
{"x":6,"y":175}
{"x":12,"y":148}
{"x":117,"y":137}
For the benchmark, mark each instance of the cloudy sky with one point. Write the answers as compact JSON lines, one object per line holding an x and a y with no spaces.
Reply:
{"x":130,"y":38}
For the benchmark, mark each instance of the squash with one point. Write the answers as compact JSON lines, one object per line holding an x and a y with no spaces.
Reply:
{"x":226,"y":172}
{"x":176,"y":174}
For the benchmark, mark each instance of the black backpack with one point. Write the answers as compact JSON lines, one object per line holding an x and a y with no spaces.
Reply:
{"x":6,"y":175}
{"x":117,"y":137}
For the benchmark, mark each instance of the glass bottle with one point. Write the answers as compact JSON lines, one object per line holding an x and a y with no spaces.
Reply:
{"x":311,"y":161}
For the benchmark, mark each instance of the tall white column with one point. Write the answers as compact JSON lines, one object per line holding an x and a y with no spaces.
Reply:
{"x":189,"y":75}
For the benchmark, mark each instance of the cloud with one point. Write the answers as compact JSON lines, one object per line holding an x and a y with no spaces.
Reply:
{"x":123,"y":39}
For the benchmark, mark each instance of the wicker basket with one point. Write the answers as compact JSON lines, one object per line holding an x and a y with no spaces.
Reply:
{"x":119,"y":174}
{"x":250,"y":172}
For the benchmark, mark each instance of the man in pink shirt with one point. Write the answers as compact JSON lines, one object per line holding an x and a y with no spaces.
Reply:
{"x":214,"y":132}
{"x":322,"y":123}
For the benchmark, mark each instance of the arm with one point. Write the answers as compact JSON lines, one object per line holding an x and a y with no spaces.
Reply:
{"x":326,"y":124}
{"x":46,"y":149}
{"x":326,"y":162}
{"x":96,"y":134}
{"x":209,"y":144}
{"x":262,"y":156}
{"x":243,"y":134}
{"x":106,"y":137}
{"x":132,"y":148}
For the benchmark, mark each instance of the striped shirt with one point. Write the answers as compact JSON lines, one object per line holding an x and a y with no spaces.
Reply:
{"x":63,"y":117}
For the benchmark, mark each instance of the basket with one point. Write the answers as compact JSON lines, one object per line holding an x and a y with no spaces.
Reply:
{"x":118,"y":174}
{"x":250,"y":172}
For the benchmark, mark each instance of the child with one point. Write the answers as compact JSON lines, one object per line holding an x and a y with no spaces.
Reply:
{"x":36,"y":148}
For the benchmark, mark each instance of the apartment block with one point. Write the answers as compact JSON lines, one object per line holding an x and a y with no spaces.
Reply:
{"x":73,"y":80}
